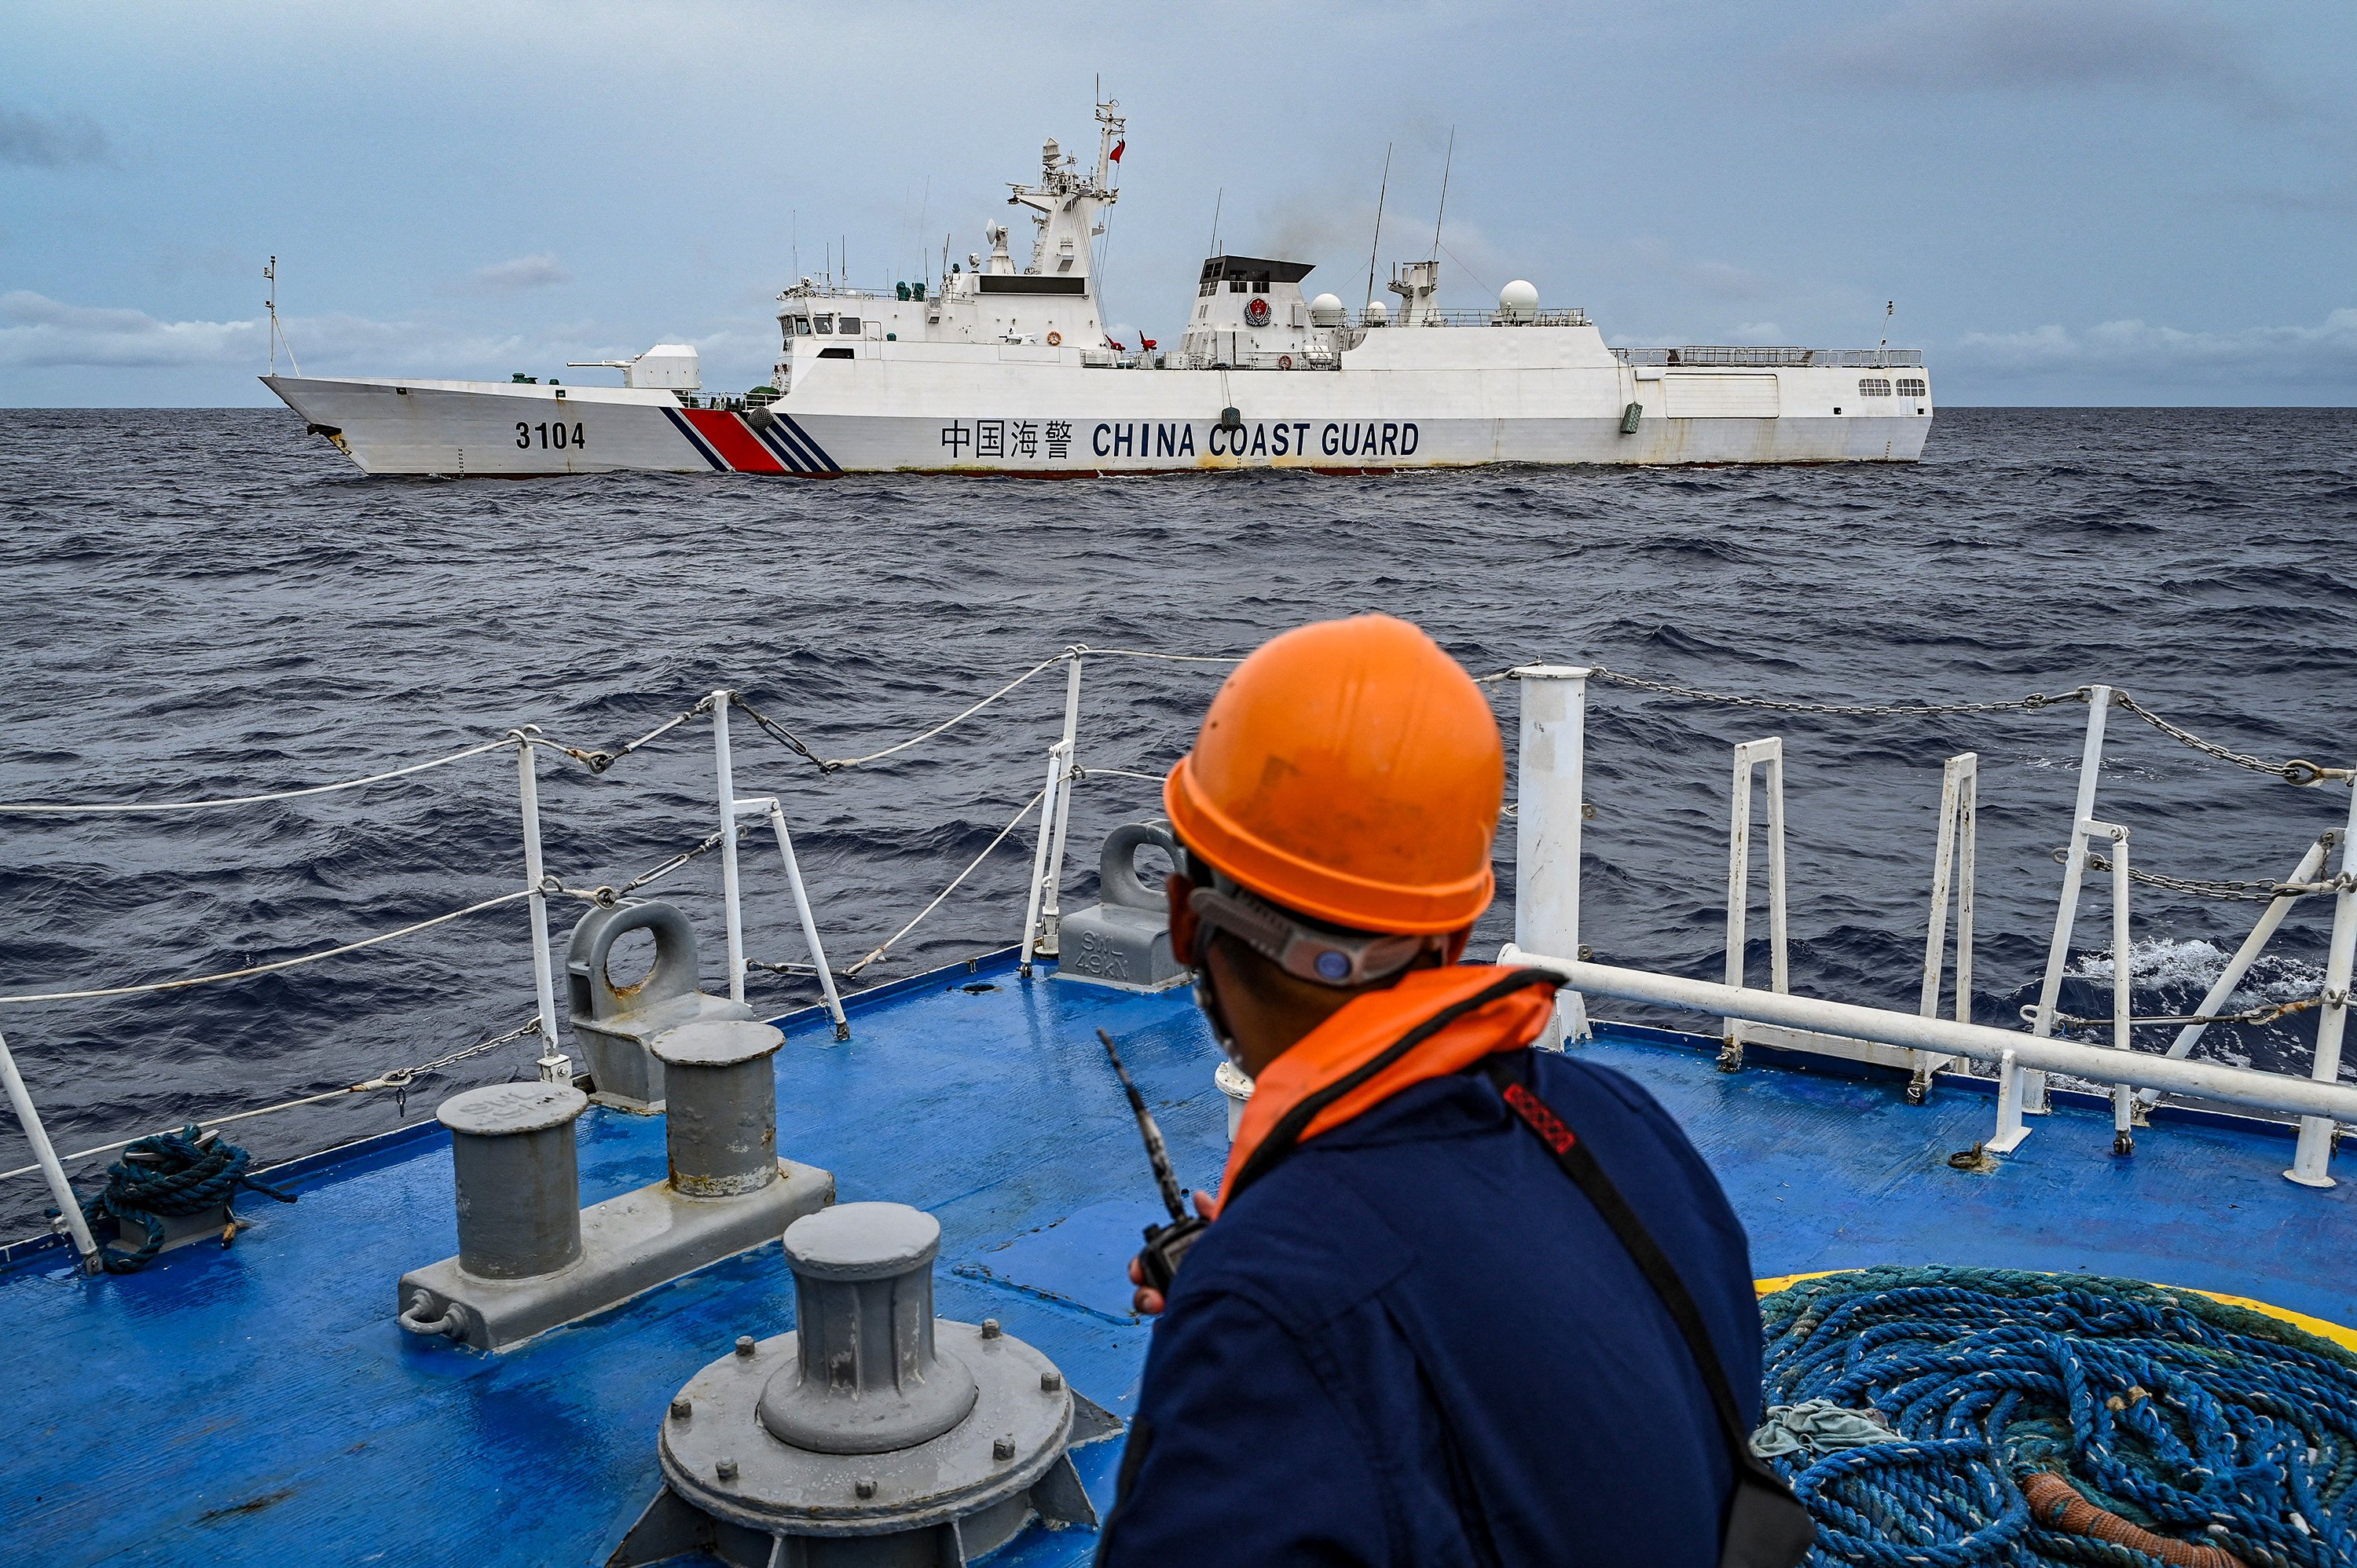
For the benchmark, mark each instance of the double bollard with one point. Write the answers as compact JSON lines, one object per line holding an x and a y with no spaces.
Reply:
{"x":530,"y":1257}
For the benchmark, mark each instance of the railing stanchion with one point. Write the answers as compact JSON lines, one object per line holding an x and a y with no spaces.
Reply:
{"x":2123,"y":988}
{"x":1059,"y":756}
{"x":2311,"y":1165}
{"x":810,"y":920}
{"x":2074,"y":868}
{"x":1951,"y":863}
{"x":69,"y":1207}
{"x":1749,"y":756}
{"x":725,"y":781}
{"x":1550,"y":780}
{"x":543,"y":974}
{"x":2222,"y":990}
{"x":1051,"y":910}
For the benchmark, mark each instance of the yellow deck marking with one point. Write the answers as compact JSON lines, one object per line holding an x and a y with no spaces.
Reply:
{"x":2344,"y":1338}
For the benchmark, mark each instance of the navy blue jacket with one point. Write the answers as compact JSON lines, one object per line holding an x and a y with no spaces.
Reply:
{"x":1415,"y":1342}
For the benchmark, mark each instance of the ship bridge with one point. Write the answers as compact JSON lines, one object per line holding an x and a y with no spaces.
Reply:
{"x":1249,"y":314}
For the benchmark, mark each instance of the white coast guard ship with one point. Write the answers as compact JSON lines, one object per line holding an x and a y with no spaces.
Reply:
{"x":1009,"y":369}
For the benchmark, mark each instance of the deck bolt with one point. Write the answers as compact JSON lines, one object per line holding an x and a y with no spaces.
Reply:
{"x":1050,"y":1381}
{"x":726,"y":1469}
{"x":865,"y":1485}
{"x":681,"y":1409}
{"x":990,"y":1329}
{"x":1002,"y":1448}
{"x":744,"y":1344}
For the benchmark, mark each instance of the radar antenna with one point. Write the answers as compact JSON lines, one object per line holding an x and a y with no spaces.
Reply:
{"x":1445,"y":167}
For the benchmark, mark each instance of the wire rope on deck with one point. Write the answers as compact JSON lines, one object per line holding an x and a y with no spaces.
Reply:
{"x":398,"y":1079}
{"x":1013,"y":822}
{"x":2298,"y":770}
{"x":95,"y":808}
{"x":2245,"y":892}
{"x":272,"y":966}
{"x":2058,"y":1419}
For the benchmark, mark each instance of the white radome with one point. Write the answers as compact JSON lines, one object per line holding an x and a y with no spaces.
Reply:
{"x":1519,"y":300}
{"x":1376,"y":313}
{"x":1325,"y":310}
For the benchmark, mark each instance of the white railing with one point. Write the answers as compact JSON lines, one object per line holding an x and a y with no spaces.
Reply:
{"x":1552,"y":766}
{"x":2218,"y":1082}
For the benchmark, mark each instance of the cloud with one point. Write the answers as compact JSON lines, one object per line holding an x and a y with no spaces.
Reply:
{"x":2016,"y":45}
{"x":38,"y":331}
{"x":51,"y":141}
{"x":520,"y":272}
{"x":2282,"y":356}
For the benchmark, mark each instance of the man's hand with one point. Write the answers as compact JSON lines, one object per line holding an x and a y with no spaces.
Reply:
{"x":1149,"y":1303}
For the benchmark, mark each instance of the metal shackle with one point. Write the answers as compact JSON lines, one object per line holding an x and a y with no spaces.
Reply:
{"x":721,"y":1106}
{"x":519,"y":1180}
{"x":866,"y":1377}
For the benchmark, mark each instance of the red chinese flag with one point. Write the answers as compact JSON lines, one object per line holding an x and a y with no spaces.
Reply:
{"x":1117,"y":146}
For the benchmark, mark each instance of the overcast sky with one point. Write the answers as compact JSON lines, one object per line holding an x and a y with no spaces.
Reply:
{"x":2071,"y":201}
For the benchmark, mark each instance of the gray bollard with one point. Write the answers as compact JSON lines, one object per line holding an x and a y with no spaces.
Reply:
{"x":530,"y":1257}
{"x":868,"y":1376}
{"x":874,"y":1435}
{"x":519,"y":1182}
{"x":722,"y":1106}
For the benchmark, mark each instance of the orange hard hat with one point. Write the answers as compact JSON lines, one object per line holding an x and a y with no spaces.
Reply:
{"x":1351,"y":771}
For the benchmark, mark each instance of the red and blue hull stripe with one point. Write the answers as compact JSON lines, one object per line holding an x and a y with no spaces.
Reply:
{"x":733,"y":443}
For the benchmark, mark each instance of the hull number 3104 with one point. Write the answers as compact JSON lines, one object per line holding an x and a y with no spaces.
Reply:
{"x":557,"y":435}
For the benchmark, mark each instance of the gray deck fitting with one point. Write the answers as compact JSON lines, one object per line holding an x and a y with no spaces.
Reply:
{"x":530,"y":1257}
{"x":616,"y":1026}
{"x":1124,"y":941}
{"x":876,"y":1435}
{"x":628,"y":1244}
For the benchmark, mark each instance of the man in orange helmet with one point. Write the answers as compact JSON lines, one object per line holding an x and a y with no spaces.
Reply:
{"x":1407,"y":1339}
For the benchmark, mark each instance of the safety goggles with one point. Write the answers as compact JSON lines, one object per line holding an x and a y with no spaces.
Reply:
{"x":1319,"y":954}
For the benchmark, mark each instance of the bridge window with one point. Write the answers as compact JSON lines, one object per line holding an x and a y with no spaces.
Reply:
{"x":826,"y":323}
{"x":1910,"y":388}
{"x":851,"y":326}
{"x":1874,"y":387}
{"x":1235,"y":286}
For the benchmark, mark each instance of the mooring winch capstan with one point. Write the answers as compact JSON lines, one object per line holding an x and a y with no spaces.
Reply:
{"x":875,"y":1432}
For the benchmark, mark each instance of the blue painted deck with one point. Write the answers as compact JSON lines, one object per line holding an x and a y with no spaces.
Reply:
{"x":259,"y":1405}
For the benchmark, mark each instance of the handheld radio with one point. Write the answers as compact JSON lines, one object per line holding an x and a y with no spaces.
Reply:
{"x":1166,"y":1245}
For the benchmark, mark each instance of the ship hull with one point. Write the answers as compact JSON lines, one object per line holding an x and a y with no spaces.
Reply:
{"x":1060,"y":420}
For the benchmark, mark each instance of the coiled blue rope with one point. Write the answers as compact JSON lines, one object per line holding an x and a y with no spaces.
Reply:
{"x":168,"y":1174}
{"x":2201,"y":1421}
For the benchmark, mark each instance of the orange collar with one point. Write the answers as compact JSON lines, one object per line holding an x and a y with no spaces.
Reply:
{"x":1368,"y":1026}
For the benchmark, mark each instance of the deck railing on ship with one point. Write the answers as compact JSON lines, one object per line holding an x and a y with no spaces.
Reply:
{"x":1747,"y":356}
{"x":1548,"y":813}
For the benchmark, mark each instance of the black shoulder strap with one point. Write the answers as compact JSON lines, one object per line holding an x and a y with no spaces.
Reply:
{"x":1765,"y":1523}
{"x":1580,"y":1165}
